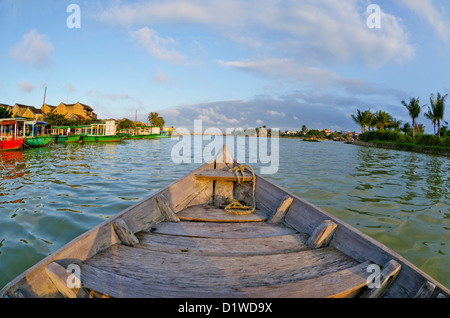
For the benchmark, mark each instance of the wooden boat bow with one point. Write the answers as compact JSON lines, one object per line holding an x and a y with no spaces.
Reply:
{"x":179,"y":242}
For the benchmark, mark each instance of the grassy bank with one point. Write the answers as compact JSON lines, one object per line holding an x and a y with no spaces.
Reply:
{"x":396,"y":140}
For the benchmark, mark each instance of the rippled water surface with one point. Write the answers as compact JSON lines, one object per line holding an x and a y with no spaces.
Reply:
{"x":49,"y":196}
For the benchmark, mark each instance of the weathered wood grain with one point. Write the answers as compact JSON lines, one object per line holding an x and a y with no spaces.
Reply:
{"x":124,"y":233}
{"x":281,"y":211}
{"x":166,"y":209}
{"x":322,"y":235}
{"x":59,"y":276}
{"x":340,"y":284}
{"x":388,"y":275}
{"x":201,"y":272}
{"x":426,"y":291}
{"x":223,"y":247}
{"x":208,"y":213}
{"x":222,"y":175}
{"x":222,"y":230}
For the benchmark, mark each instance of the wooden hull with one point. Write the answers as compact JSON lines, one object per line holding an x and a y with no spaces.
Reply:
{"x":36,"y":142}
{"x":68,"y":139}
{"x":15,"y":144}
{"x":102,"y":138}
{"x":180,"y":243}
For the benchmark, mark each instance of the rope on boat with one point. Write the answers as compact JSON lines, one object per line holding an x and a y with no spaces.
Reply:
{"x":236,"y":207}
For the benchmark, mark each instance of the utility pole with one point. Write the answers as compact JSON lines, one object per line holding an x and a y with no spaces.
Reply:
{"x":45,"y":93}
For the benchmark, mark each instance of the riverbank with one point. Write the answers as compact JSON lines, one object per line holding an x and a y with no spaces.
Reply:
{"x":405,"y":147}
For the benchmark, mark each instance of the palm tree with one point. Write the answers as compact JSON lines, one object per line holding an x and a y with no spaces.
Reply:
{"x":438,"y":107}
{"x":414,"y":110}
{"x":362,"y":119}
{"x":304,"y":130}
{"x":395,"y":124}
{"x":431,"y":116}
{"x":371,"y":121}
{"x":382,"y":119}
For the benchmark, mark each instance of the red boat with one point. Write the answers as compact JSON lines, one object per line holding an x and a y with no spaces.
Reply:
{"x":12,"y":133}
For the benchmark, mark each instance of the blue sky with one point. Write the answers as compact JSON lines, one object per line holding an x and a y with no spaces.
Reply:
{"x":234,"y":63}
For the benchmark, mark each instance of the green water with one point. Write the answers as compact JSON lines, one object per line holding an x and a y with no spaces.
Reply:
{"x":48,"y":196}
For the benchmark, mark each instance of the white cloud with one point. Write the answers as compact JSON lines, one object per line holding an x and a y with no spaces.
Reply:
{"x":433,"y":15}
{"x":157,"y":46}
{"x":25,"y":87}
{"x":275,"y":113}
{"x":328,"y":30}
{"x":34,"y":49}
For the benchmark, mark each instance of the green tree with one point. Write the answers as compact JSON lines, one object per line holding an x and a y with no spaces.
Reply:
{"x":5,"y":113}
{"x":382,"y":119}
{"x":362,"y":119}
{"x":54,"y":119}
{"x":156,"y":120}
{"x":126,"y":123}
{"x":438,"y":109}
{"x":414,"y":111}
{"x":395,"y":124}
{"x":304,"y":130}
{"x":431,"y":116}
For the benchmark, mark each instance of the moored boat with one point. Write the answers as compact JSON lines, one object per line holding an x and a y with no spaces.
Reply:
{"x":101,"y":132}
{"x":67,"y":134}
{"x":36,"y":134}
{"x":12,"y":133}
{"x":223,"y":231}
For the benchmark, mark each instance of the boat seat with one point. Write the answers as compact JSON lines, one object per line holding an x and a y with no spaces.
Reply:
{"x":222,"y":175}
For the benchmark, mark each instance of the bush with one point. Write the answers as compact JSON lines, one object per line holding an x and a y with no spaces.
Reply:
{"x":398,"y":137}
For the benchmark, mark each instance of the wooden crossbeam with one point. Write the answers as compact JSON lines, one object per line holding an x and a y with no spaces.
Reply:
{"x":426,"y":291}
{"x":322,"y":235}
{"x":60,"y":276}
{"x":124,"y":233}
{"x":281,"y":211}
{"x":388,"y":274}
{"x":166,"y":209}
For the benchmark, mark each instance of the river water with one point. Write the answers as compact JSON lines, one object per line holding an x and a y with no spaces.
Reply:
{"x":51,"y":195}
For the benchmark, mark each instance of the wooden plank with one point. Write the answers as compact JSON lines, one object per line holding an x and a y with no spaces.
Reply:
{"x":124,"y":233}
{"x":208,"y":213}
{"x":59,"y":276}
{"x":223,"y":247}
{"x":340,"y":284}
{"x":222,"y":230}
{"x":223,"y":192}
{"x":280,"y":213}
{"x":426,"y":291}
{"x":119,"y":286}
{"x":195,"y":273}
{"x":223,"y":175}
{"x":166,"y":209}
{"x":322,"y":235}
{"x":388,"y":274}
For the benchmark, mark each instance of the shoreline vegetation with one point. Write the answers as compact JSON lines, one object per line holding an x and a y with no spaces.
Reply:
{"x":404,"y":147}
{"x":389,"y":133}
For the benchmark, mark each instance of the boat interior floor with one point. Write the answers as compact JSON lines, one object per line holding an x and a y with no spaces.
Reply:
{"x":211,"y":253}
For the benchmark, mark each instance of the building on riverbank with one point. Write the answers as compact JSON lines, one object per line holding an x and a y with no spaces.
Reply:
{"x":26,"y":111}
{"x":75,"y":111}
